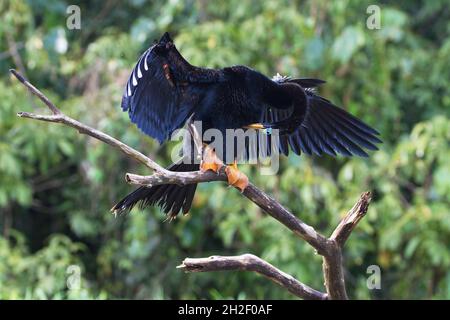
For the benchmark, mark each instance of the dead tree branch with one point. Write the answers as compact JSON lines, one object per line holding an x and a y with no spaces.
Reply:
{"x":250,"y":262}
{"x":329,"y":248}
{"x":346,"y":226}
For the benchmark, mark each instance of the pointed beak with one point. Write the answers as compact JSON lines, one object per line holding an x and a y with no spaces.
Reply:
{"x":257,"y":126}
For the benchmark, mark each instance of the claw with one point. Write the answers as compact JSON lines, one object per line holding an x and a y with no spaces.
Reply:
{"x":235,"y":177}
{"x":210,"y":161}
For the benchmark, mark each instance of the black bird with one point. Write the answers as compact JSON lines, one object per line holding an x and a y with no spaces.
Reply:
{"x":164,"y":91}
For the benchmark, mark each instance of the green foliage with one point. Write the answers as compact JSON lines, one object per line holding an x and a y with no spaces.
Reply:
{"x":40,"y":275}
{"x":56,"y":187}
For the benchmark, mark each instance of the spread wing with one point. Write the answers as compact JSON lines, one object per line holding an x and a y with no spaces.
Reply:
{"x":326,"y":128}
{"x":154,"y":101}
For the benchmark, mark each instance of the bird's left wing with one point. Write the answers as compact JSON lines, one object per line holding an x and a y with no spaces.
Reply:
{"x":155,"y":102}
{"x":326,"y":128}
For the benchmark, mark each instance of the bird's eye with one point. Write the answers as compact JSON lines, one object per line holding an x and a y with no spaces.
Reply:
{"x":169,"y":45}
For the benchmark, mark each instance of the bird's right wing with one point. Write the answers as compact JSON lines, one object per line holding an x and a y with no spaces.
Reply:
{"x":156,"y":102}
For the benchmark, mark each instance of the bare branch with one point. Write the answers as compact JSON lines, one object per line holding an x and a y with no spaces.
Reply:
{"x":197,"y":139}
{"x":249,"y":262}
{"x":257,"y":196}
{"x":59,"y":117}
{"x":36,"y":92}
{"x":332,"y":261}
{"x":280,"y":213}
{"x":180,"y":178}
{"x":346,"y":226}
{"x":84,"y":129}
{"x":333,"y":272}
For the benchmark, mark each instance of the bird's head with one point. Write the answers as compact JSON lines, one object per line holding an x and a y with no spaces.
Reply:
{"x":165,"y":44}
{"x":165,"y":40}
{"x":167,"y":49}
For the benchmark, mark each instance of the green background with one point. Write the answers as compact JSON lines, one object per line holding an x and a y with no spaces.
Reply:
{"x":56,"y":187}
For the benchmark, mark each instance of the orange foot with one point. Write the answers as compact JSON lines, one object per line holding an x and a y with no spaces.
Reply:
{"x":210,"y":160}
{"x":235,"y":177}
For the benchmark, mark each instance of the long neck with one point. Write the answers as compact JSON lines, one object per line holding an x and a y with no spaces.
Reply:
{"x":299,"y":103}
{"x":284,"y":95}
{"x":184,"y":71}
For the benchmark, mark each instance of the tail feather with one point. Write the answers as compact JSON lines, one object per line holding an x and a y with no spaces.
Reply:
{"x":170,"y":198}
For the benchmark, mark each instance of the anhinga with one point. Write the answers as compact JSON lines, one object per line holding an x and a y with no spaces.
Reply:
{"x":164,"y":91}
